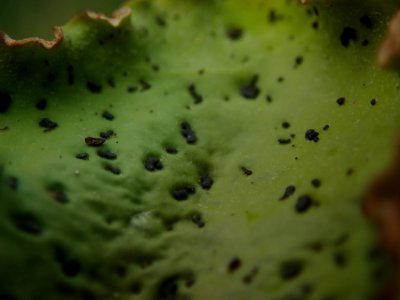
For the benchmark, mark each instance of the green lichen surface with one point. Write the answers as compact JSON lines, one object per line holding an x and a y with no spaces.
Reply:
{"x":209,"y":103}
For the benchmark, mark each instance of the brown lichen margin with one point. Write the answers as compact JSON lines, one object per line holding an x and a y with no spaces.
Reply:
{"x":382,"y":206}
{"x":389,"y":51}
{"x":116,"y":18}
{"x":9,"y":42}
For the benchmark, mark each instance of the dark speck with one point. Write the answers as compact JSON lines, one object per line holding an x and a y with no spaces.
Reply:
{"x":93,"y":87}
{"x":59,"y":196}
{"x":106,"y":154}
{"x":289,"y":191}
{"x":113,"y":169}
{"x":250,"y":90}
{"x":171,"y":150}
{"x":284,"y":141}
{"x":82,"y":156}
{"x":182,"y":193}
{"x":41,"y":104}
{"x":188,"y":133}
{"x":48,"y":124}
{"x":195,"y":95}
{"x":366,"y":21}
{"x":234,"y":264}
{"x":326,"y":127}
{"x":94,"y":142}
{"x":107,"y":134}
{"x":291,"y":269}
{"x":108,"y":116}
{"x":298,"y":61}
{"x":303,"y":203}
{"x":246,"y":171}
{"x":206,"y":181}
{"x":198,"y":220}
{"x":315,"y":25}
{"x":349,"y":172}
{"x":145,"y":85}
{"x":348,"y":34}
{"x":153,"y":163}
{"x":160,"y":20}
{"x":340,"y":101}
{"x":340,"y":259}
{"x":285,"y":125}
{"x":312,"y":135}
{"x":373,"y":102}
{"x":235,"y":33}
{"x":316,"y":183}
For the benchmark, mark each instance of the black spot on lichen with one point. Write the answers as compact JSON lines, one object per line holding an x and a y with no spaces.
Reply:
{"x":246,"y":171}
{"x":250,"y":90}
{"x":181,"y":193}
{"x":111,"y":82}
{"x":171,"y":150}
{"x":316,"y":183}
{"x":366,"y":21}
{"x":235,"y":33}
{"x":106,"y":154}
{"x":273,"y":16}
{"x":82,"y":156}
{"x":113,"y":169}
{"x":303,"y":203}
{"x":373,"y":102}
{"x":206,"y":181}
{"x":27,"y":223}
{"x":107,"y":134}
{"x":94,"y":142}
{"x":298,"y":61}
{"x":340,"y":101}
{"x":284,"y":141}
{"x":349,"y":172}
{"x":285,"y":125}
{"x":289,"y":191}
{"x":41,"y":104}
{"x":315,"y":25}
{"x":234,"y":264}
{"x":131,"y":89}
{"x":153,"y":163}
{"x":291,"y":269}
{"x":248,"y":278}
{"x":160,"y":20}
{"x":188,"y":133}
{"x":196,"y":96}
{"x":340,"y":259}
{"x":198,"y":220}
{"x":326,"y":127}
{"x":107,"y":115}
{"x":12,"y":182}
{"x":93,"y":87}
{"x":348,"y":34}
{"x":47,"y":124}
{"x":145,"y":85}
{"x":312,"y":135}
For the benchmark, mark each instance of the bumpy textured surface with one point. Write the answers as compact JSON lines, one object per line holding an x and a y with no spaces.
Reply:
{"x":199,"y":150}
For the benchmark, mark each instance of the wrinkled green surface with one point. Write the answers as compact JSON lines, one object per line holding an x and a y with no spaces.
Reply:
{"x":132,"y":239}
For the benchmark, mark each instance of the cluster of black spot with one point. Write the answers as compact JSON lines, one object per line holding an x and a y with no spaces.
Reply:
{"x":289,"y":191}
{"x":250,"y":90}
{"x":234,"y":264}
{"x":93,"y":87}
{"x":312,"y":135}
{"x":303,"y":203}
{"x":107,"y":134}
{"x":188,"y":133}
{"x":153,"y":163}
{"x":348,"y":34}
{"x":47,"y":124}
{"x":107,"y":115}
{"x":181,"y":193}
{"x":106,"y":154}
{"x":291,"y":269}
{"x":198,"y":220}
{"x":206,"y":181}
{"x":235,"y":33}
{"x":195,"y":95}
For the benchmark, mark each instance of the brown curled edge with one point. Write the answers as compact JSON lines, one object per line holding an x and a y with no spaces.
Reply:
{"x":389,"y":52}
{"x":115,"y":20}
{"x":382,"y":206}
